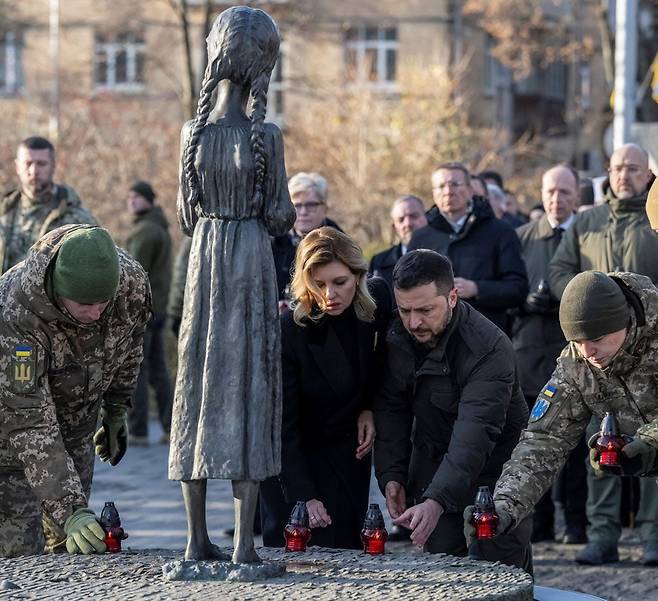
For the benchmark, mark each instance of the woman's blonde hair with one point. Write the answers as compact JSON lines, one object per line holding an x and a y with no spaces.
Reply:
{"x":320,"y":247}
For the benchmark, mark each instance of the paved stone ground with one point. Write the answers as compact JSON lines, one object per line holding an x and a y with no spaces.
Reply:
{"x":152,"y":511}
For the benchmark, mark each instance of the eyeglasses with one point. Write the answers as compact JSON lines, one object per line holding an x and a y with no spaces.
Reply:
{"x":632,"y":169}
{"x":446,"y":185}
{"x":309,"y":206}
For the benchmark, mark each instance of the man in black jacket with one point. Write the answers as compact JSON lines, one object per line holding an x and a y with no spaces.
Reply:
{"x":484,"y":251}
{"x":407,"y":215}
{"x":451,"y":374}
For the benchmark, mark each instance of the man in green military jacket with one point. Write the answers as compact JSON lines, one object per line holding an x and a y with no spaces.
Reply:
{"x":71,"y":329}
{"x":150,"y":243}
{"x":615,"y":236}
{"x":38,"y":205}
{"x":611,"y":322}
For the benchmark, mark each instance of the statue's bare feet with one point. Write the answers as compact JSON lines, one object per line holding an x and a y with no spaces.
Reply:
{"x":246,"y":555}
{"x":206,"y":551}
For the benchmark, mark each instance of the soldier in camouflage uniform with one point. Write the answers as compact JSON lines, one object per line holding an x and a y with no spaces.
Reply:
{"x":71,"y":332}
{"x":611,"y":322}
{"x":38,"y":206}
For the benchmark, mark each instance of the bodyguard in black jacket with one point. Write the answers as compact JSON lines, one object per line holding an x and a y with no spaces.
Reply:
{"x":451,"y":373}
{"x":485,"y":250}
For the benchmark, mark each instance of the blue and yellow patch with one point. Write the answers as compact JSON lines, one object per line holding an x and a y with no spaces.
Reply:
{"x":539,"y":409}
{"x":549,"y":391}
{"x":23,"y":369}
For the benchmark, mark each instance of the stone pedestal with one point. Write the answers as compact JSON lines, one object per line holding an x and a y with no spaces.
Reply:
{"x":320,"y":574}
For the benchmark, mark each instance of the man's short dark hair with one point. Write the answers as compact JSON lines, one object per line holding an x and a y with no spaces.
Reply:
{"x":495,"y":176}
{"x":455,"y":166}
{"x":420,"y":267}
{"x":38,"y":143}
{"x":484,"y":184}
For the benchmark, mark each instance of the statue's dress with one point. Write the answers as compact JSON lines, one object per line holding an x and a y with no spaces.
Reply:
{"x":227,"y":407}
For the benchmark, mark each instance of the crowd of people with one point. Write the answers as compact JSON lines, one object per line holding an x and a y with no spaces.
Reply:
{"x":482,"y":348}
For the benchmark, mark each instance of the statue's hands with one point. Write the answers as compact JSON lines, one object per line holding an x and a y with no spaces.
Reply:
{"x":318,"y":516}
{"x":365,"y":426}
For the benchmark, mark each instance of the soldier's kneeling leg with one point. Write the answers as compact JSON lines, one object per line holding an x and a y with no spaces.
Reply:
{"x":20,"y":516}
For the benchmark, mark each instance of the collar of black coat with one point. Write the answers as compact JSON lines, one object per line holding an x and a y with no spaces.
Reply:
{"x":435,"y":362}
{"x":480,"y":212}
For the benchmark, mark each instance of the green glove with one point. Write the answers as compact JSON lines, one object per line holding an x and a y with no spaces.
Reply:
{"x":111,"y":440}
{"x":504,"y":522}
{"x":83,"y":533}
{"x":594,"y":458}
{"x":641,"y":458}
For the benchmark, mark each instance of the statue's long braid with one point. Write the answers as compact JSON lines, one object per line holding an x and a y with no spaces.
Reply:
{"x":210,"y":80}
{"x":258,"y":109}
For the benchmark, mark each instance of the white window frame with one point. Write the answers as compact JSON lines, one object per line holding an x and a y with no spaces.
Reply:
{"x":11,"y":55}
{"x":133,"y":48}
{"x":381,"y":46}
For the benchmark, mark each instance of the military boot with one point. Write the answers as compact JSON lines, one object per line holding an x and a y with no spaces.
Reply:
{"x":650,"y":555}
{"x":597,"y":553}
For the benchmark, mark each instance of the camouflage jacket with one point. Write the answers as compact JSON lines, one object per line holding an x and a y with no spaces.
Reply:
{"x":55,"y":373}
{"x":628,"y":387}
{"x":23,"y":222}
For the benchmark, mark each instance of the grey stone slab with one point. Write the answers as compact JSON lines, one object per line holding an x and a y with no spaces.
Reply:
{"x":317,"y":574}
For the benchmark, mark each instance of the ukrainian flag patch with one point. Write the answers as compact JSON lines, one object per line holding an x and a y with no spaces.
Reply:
{"x":549,"y":391}
{"x":24,"y":352}
{"x":23,"y":369}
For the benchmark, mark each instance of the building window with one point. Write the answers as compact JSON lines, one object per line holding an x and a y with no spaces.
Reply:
{"x":371,"y":56}
{"x":496,"y":75}
{"x":11,"y":63}
{"x":119,"y":62}
{"x":275,"y":93}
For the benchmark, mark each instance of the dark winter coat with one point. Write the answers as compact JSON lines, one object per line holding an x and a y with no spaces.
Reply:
{"x":284,"y":249}
{"x":323,"y":395}
{"x":487,"y":251}
{"x":614,"y":236}
{"x":465,"y":405}
{"x":383,"y":263}
{"x":537,"y":338}
{"x":150,"y":243}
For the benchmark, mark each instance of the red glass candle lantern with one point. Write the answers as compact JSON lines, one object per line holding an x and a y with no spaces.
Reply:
{"x":610,"y":442}
{"x":485,"y":519}
{"x":374,"y":535}
{"x":297,"y":533}
{"x":111,"y":523}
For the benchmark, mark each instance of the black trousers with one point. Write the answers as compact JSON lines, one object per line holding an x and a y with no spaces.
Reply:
{"x":570,"y":488}
{"x":512,"y":549}
{"x":154,"y":372}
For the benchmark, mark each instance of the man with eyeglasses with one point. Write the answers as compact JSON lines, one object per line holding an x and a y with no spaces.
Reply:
{"x":308,"y":192}
{"x":613,"y":236}
{"x":484,"y":251}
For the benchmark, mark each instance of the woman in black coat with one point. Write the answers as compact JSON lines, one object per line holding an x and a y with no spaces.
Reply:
{"x":332,"y":342}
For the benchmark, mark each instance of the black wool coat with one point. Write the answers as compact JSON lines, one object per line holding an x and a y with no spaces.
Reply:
{"x":323,"y":395}
{"x":465,"y":404}
{"x":487,"y":251}
{"x":383,"y":263}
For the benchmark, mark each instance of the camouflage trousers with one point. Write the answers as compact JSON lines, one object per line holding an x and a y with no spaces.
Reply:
{"x":24,"y":528}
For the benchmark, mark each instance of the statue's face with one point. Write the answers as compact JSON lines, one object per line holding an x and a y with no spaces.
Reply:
{"x":35,"y":169}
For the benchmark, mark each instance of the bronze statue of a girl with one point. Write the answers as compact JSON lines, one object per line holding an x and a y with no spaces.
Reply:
{"x":233,"y":195}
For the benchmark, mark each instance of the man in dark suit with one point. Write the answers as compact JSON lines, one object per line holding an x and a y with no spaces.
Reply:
{"x":538,"y":341}
{"x":407,"y":215}
{"x":484,"y":251}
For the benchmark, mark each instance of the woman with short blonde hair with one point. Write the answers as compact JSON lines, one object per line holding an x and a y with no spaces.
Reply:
{"x":321,"y":247}
{"x":332,"y":351}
